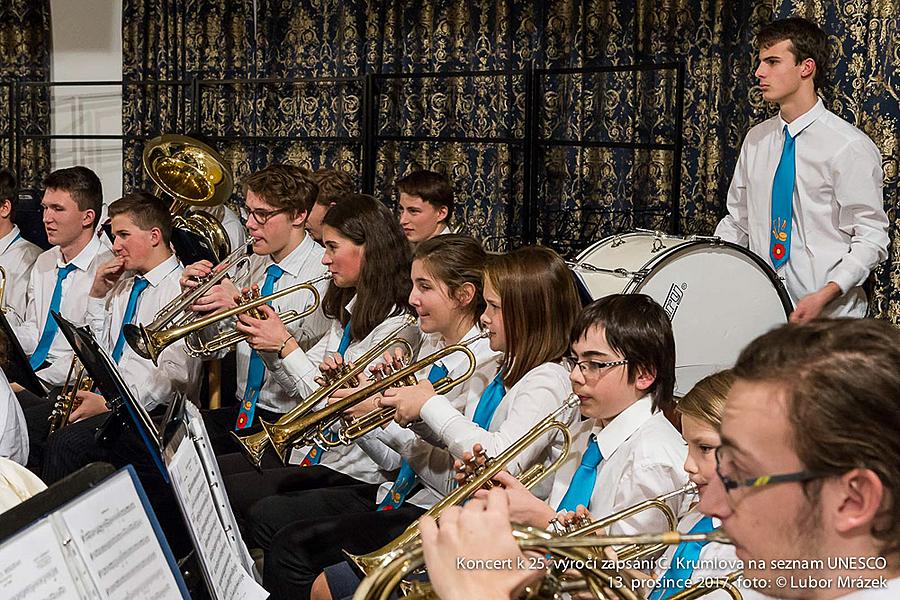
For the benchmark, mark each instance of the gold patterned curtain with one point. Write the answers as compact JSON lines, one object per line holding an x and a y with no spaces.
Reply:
{"x":583,"y":193}
{"x":25,"y":56}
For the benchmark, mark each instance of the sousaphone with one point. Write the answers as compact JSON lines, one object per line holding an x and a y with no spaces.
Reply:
{"x":193,"y":176}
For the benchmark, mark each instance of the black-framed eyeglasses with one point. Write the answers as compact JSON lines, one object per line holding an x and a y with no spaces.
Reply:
{"x":590,"y":368}
{"x":262,"y":216}
{"x":763,"y":480}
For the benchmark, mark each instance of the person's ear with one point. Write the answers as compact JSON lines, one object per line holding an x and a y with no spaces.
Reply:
{"x":644,"y":379}
{"x":443,"y":213}
{"x":300,"y":219}
{"x":89,"y":218}
{"x":155,"y":237}
{"x":5,"y":209}
{"x":465,"y":294}
{"x":857,"y":497}
{"x":807,"y":68}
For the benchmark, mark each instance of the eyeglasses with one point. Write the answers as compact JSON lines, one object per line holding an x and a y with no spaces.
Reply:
{"x":761,"y":481}
{"x":590,"y":369}
{"x":263,"y":216}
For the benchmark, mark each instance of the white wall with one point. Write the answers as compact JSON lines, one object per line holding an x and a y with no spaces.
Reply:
{"x":87,"y":46}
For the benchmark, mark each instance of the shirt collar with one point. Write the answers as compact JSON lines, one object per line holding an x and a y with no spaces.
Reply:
{"x":618,"y":430}
{"x":804,"y":120}
{"x":85,"y":257}
{"x":7,"y":240}
{"x":293,"y":262}
{"x":156,"y":275}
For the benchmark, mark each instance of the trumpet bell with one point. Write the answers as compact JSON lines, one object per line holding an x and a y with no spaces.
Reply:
{"x":139,"y":340}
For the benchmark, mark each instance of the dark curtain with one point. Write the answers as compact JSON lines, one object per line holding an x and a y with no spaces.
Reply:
{"x":583,"y":193}
{"x":25,"y":56}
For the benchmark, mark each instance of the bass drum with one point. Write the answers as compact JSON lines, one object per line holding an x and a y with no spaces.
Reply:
{"x":718,"y":295}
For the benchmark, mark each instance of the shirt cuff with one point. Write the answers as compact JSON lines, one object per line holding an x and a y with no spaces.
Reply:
{"x":297,"y":365}
{"x":846,"y":278}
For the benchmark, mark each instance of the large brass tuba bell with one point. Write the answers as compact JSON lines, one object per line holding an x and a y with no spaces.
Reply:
{"x":191,"y":174}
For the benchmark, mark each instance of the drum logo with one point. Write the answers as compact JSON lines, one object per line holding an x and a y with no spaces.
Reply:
{"x":673,"y":300}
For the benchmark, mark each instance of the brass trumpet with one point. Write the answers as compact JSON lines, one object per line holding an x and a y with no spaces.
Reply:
{"x":175,"y":321}
{"x":76,"y":380}
{"x":531,"y":477}
{"x":279,"y":432}
{"x":311,"y":428}
{"x":603,"y":583}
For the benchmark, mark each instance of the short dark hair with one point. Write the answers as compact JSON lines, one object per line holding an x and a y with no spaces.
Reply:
{"x":8,"y":191}
{"x":333,"y":185}
{"x":431,"y":187}
{"x":82,"y":184}
{"x":384,"y":284}
{"x":637,"y":327}
{"x":842,"y":378}
{"x":283,"y":186}
{"x":807,"y":41}
{"x":146,"y":210}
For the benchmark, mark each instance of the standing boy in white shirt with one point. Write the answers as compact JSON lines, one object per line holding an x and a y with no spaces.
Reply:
{"x":625,"y":451}
{"x":807,"y":190}
{"x":17,"y":255}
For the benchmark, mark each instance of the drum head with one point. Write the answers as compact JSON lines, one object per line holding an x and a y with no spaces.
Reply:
{"x":719,"y":298}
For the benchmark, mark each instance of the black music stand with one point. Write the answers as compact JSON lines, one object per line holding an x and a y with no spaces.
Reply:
{"x":17,"y":367}
{"x":100,"y":366}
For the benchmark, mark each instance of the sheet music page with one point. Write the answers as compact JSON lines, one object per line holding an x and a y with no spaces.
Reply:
{"x":32,"y":566}
{"x":115,"y":539}
{"x":197,"y":431}
{"x":230,"y":581}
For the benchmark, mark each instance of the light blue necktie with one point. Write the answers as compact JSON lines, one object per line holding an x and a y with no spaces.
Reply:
{"x":257,"y":368}
{"x":407,"y":478}
{"x":489,"y":401}
{"x":686,"y":557}
{"x":50,"y":326}
{"x":315,"y":453}
{"x":782,"y":203}
{"x":140,"y":284}
{"x":582,"y":487}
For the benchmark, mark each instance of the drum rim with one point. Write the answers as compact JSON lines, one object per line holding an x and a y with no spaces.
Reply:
{"x":654,"y":264}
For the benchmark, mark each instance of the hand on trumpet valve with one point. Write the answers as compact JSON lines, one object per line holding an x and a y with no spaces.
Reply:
{"x":408,"y":401}
{"x":266,"y":332}
{"x":87,"y":405}
{"x":194,"y":273}
{"x":471,"y":464}
{"x":219,"y":297}
{"x":478,"y":531}
{"x":569,"y":521}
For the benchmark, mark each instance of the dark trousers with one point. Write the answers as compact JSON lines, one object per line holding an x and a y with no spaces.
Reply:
{"x":305,"y":532}
{"x":37,"y":414}
{"x":220,"y":424}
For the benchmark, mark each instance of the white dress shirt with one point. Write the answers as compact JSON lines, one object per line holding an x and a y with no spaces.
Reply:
{"x":303,"y":264}
{"x":839,"y":226}
{"x":643,"y":457}
{"x":298,"y":370}
{"x":13,"y":430}
{"x":75,"y":293}
{"x":17,"y":256}
{"x":177,"y":371}
{"x":541,"y":391}
{"x":425,"y":454}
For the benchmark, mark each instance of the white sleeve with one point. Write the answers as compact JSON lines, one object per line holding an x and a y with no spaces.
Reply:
{"x":734,"y":226}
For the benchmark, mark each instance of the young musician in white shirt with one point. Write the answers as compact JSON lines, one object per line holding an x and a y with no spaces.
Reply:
{"x":129,"y":289}
{"x":531,"y":304}
{"x":625,"y":451}
{"x":62,"y":276}
{"x":809,"y":462}
{"x":17,"y":255}
{"x":367,"y":299}
{"x":426,"y":205}
{"x":807,"y":188}
{"x":277,"y":200}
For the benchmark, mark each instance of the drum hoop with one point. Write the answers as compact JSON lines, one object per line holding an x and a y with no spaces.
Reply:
{"x":652,"y":266}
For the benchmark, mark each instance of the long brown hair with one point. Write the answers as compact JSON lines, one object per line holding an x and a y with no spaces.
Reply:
{"x":384,"y":285}
{"x":456,"y":260}
{"x":539,"y":304}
